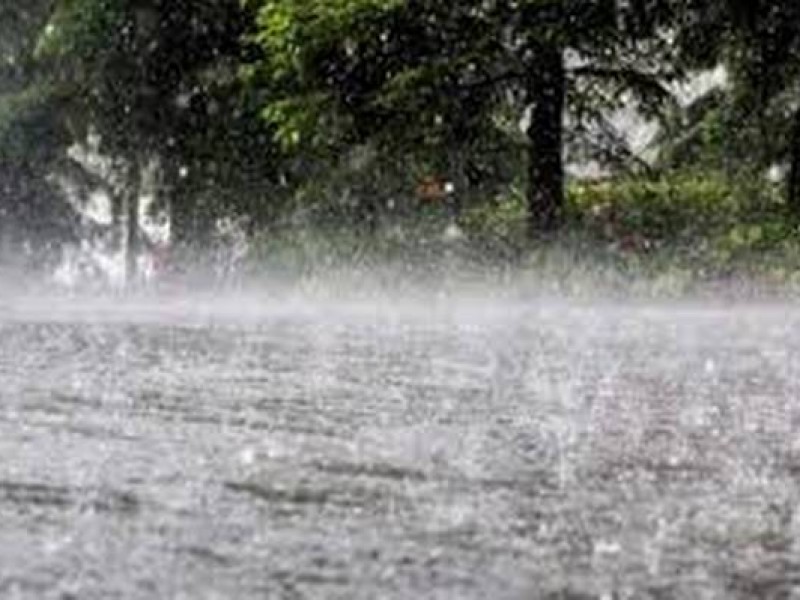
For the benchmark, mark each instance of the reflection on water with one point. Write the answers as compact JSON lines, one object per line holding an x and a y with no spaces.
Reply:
{"x":503,"y":451}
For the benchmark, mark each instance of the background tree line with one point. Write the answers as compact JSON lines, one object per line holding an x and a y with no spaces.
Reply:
{"x":260,"y":108}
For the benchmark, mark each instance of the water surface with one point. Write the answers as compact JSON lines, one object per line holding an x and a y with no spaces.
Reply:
{"x":498,"y":449}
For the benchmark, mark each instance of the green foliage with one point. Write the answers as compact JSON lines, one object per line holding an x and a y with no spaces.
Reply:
{"x":666,"y":210}
{"x":755,"y":123}
{"x":324,"y":115}
{"x":627,"y":214}
{"x":158,"y":81}
{"x":663,"y":237}
{"x":34,"y":213}
{"x":81,"y":28}
{"x":441,"y":82}
{"x":499,"y":225}
{"x":414,"y":63}
{"x":704,"y":225}
{"x":678,"y":229}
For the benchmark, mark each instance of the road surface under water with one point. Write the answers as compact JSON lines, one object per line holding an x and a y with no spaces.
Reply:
{"x":422,"y":450}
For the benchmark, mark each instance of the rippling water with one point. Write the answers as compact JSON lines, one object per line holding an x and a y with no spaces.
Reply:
{"x":429,"y":450}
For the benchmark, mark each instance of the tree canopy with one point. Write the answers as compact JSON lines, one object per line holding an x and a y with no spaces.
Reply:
{"x":439,"y":78}
{"x":242,"y":108}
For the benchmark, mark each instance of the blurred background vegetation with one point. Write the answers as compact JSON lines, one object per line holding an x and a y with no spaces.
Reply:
{"x":651,"y":136}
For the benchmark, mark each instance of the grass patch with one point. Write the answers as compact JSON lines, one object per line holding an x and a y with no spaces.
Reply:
{"x":665,"y":237}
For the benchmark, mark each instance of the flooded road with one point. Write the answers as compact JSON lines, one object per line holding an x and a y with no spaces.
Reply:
{"x":498,"y":450}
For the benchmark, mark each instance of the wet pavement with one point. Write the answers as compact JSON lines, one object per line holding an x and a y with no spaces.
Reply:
{"x":505,"y":450}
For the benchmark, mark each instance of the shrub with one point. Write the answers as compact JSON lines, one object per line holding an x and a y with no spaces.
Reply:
{"x":652,"y":213}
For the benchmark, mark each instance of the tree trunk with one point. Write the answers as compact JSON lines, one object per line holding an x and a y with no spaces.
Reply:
{"x":180,"y":217}
{"x":117,"y":234}
{"x":793,"y":184}
{"x":546,"y":91}
{"x":132,"y":233}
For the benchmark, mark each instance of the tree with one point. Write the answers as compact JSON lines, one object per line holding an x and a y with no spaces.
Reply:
{"x":756,"y":120}
{"x":430,"y":76}
{"x":156,"y":82}
{"x":34,"y":213}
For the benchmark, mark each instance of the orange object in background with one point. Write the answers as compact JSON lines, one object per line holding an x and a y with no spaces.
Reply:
{"x":433,"y":188}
